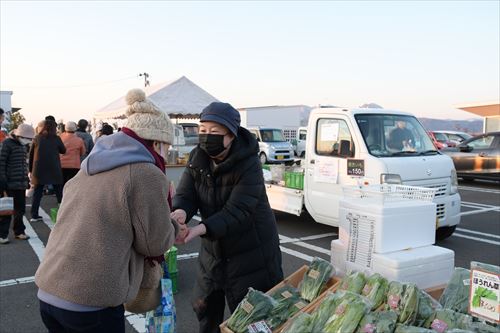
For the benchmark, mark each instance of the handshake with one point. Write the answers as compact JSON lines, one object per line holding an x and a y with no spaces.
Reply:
{"x":186,"y":234}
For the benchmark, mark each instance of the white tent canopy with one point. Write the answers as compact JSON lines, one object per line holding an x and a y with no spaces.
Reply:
{"x":179,"y":99}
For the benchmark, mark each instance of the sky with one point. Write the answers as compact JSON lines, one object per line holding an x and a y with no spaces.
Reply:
{"x":69,"y":58}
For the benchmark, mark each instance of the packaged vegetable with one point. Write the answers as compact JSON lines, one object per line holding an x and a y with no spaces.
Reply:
{"x":287,"y":298}
{"x":300,"y":324}
{"x":377,"y":322}
{"x":375,"y":290}
{"x":323,"y":312}
{"x":254,"y":307}
{"x":394,"y":296}
{"x":400,"y":328}
{"x":426,"y":307}
{"x":354,"y":282}
{"x":347,"y":315}
{"x":458,"y":330}
{"x":409,"y":305}
{"x":446,"y":319}
{"x":316,"y":277}
{"x":456,"y":295}
{"x":479,"y":327}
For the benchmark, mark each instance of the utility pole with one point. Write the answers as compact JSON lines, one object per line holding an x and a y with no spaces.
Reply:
{"x":146,"y":79}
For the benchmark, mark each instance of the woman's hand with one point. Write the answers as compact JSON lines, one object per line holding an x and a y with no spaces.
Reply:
{"x":179,"y":216}
{"x":183,"y":233}
{"x":193,"y":232}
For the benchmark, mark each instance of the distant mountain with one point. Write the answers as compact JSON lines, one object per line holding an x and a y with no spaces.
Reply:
{"x":473,"y":126}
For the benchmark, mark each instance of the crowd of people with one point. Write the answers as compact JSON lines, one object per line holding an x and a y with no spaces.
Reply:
{"x":107,"y":245}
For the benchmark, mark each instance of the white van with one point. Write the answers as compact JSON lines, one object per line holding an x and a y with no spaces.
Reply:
{"x":299,"y":143}
{"x":273,"y":147}
{"x":367,"y":147}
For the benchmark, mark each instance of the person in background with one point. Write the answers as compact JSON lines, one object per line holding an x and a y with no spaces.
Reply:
{"x":45,"y":165}
{"x":105,"y":130}
{"x":82,"y":133}
{"x":14,"y":179}
{"x":239,"y":237}
{"x":96,"y":252}
{"x":49,"y":117}
{"x":401,"y":137}
{"x":3,"y":135}
{"x":75,"y":149}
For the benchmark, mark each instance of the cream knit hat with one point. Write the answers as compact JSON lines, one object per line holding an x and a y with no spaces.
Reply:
{"x":146,"y":119}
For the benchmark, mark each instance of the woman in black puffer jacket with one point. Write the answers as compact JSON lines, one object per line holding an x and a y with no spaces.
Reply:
{"x":14,"y":179}
{"x":240,"y":243}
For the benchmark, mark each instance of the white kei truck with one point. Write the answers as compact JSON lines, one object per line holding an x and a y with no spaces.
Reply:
{"x":352,"y":147}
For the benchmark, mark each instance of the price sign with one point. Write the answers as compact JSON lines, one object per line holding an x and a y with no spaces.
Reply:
{"x":355,"y":167}
{"x":485,"y":295}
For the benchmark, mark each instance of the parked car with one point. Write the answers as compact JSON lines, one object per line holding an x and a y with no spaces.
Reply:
{"x":477,"y":157}
{"x":439,"y":140}
{"x":455,"y":137}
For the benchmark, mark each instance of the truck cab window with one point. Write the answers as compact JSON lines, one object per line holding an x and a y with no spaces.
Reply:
{"x":333,"y":138}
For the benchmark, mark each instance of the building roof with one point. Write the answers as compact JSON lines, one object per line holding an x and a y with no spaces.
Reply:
{"x":181,"y":98}
{"x":485,"y":109}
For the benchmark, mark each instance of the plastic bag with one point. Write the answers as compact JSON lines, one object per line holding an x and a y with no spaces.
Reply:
{"x":300,"y":324}
{"x":456,"y":294}
{"x":314,"y":280}
{"x":409,"y":305}
{"x":446,"y":319}
{"x":288,"y":303}
{"x":163,"y":319}
{"x":350,"y":310}
{"x":354,"y":282}
{"x":375,"y":290}
{"x":426,"y":308}
{"x":382,"y":321}
{"x":394,"y":296}
{"x":412,"y":329}
{"x":323,"y":312}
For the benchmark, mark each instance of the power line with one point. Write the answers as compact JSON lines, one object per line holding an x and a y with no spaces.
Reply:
{"x":78,"y":85}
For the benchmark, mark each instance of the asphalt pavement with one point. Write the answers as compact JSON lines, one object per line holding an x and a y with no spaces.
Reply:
{"x":477,"y":238}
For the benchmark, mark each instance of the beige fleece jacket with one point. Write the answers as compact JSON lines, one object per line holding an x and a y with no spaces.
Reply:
{"x":106,"y":225}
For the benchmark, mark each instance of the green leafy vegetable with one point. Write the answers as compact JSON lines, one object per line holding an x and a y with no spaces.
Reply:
{"x":383,"y":321}
{"x":394,"y":296}
{"x":479,"y":327}
{"x":300,"y":324}
{"x":347,"y":316}
{"x":426,"y":307}
{"x":317,"y":275}
{"x":353,"y":282}
{"x":323,"y":312}
{"x":409,"y":305}
{"x":287,"y":298}
{"x":446,"y":319}
{"x":456,"y":295}
{"x":375,"y":290}
{"x":254,"y":307}
{"x":400,"y":328}
{"x":482,"y":292}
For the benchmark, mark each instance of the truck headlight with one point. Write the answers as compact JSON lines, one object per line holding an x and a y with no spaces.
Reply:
{"x":390,"y":178}
{"x":454,"y":182}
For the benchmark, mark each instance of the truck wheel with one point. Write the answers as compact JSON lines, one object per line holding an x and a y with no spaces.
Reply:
{"x":445,"y":232}
{"x":263,"y":158}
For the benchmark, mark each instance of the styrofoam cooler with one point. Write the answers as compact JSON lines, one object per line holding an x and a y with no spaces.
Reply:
{"x":427,"y":266}
{"x":387,"y":227}
{"x":341,"y":261}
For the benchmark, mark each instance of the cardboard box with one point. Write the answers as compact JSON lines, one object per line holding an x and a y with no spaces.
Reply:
{"x":294,"y":279}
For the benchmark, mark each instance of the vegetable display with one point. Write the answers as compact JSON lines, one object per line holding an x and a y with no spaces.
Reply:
{"x":323,"y":312}
{"x":394,"y":296}
{"x":354,"y":282}
{"x":375,"y":290}
{"x":382,"y":321}
{"x":426,"y":307}
{"x":446,"y":319}
{"x":456,"y":294}
{"x":348,"y":313}
{"x":400,"y":328}
{"x":288,"y":303}
{"x":317,"y":275}
{"x":254,"y":307}
{"x":300,"y":324}
{"x":409,"y":305}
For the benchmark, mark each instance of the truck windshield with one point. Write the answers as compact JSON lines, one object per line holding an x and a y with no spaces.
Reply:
{"x":272,"y":135}
{"x":394,"y":135}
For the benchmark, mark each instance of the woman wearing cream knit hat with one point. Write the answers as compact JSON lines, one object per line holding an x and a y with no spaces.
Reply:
{"x":96,"y":252}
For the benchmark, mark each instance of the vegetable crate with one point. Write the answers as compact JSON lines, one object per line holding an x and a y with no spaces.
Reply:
{"x":294,"y":180}
{"x":293,"y":280}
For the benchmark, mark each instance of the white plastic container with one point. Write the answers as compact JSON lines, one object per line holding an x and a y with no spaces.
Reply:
{"x":339,"y":256}
{"x":383,"y":227}
{"x":427,"y":267}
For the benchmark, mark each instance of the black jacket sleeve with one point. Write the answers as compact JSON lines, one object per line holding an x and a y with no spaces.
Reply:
{"x":244,"y":198}
{"x":186,"y":197}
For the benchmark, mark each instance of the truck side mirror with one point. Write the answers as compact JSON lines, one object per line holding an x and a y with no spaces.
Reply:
{"x":464,"y":148}
{"x":345,"y":148}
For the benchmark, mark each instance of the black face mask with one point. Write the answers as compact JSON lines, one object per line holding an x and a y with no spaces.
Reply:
{"x":212,"y":144}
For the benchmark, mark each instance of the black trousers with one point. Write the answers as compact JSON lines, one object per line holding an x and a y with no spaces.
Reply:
{"x":38,"y":194}
{"x":68,"y":174}
{"x":210,"y":309}
{"x":19,"y":209}
{"x":108,"y":320}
